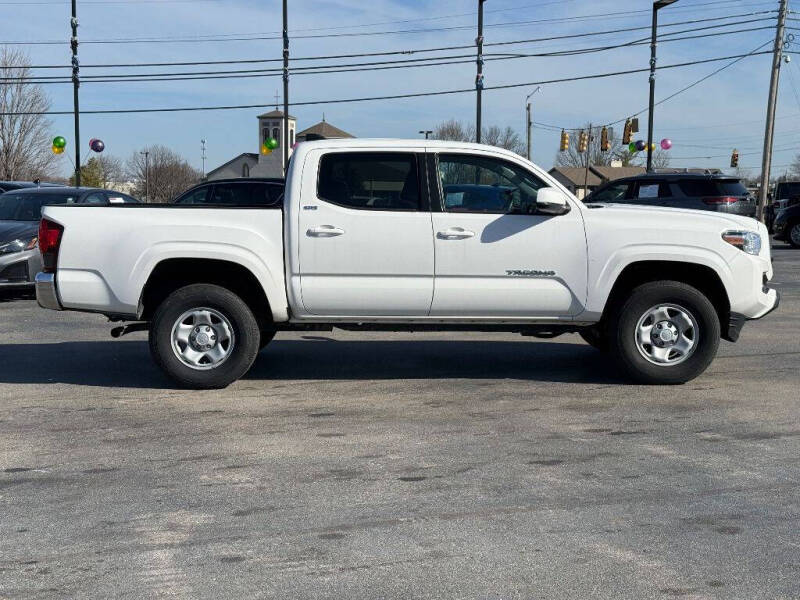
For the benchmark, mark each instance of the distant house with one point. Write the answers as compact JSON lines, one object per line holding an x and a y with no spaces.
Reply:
{"x":258,"y":164}
{"x":575,"y":179}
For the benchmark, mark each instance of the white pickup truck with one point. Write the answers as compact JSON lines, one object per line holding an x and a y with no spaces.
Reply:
{"x":413,"y":236}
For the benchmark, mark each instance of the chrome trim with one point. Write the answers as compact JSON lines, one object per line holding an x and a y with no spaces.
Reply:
{"x":46,"y":293}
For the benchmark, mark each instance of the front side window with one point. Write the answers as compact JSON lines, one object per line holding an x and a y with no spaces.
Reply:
{"x":479,"y":184}
{"x":614,"y":192}
{"x":370,"y":180}
{"x":195,"y":196}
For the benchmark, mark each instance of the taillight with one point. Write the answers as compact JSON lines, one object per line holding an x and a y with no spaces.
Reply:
{"x":720,"y":200}
{"x":49,"y":242}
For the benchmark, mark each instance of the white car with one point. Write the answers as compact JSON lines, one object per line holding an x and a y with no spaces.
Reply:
{"x":411,"y":235}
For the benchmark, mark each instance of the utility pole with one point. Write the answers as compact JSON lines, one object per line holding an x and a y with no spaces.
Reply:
{"x":75,"y":85}
{"x":657,"y":5}
{"x":203,"y":156}
{"x":285,"y":86}
{"x":588,"y":160}
{"x":772,"y":102}
{"x":426,"y":132}
{"x":146,"y":175}
{"x":528,"y":122}
{"x":479,"y":76}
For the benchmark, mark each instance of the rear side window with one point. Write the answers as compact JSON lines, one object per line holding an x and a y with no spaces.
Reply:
{"x":712,"y":187}
{"x":370,"y":180}
{"x":652,"y":189}
{"x":196,"y":196}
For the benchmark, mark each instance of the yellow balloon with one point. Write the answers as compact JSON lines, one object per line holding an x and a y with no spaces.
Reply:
{"x":266,"y":150}
{"x":57,"y":150}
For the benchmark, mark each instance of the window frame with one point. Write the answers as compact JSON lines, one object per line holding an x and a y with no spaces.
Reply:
{"x":433,"y":167}
{"x":418,"y":158}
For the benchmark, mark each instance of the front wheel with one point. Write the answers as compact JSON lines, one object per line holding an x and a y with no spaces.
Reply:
{"x":204,"y":336}
{"x":664,"y":332}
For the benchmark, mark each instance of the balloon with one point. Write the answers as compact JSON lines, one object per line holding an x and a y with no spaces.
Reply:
{"x":666,"y":144}
{"x":57,"y":150}
{"x":632,"y":147}
{"x":266,"y":150}
{"x":97,"y":145}
{"x":640,"y":145}
{"x":653,"y":147}
{"x":59,"y":142}
{"x":295,"y":145}
{"x":271,"y":143}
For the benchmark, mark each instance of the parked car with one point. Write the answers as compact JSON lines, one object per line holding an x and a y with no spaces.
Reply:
{"x":20,"y":211}
{"x":720,"y":193}
{"x":787,"y":225}
{"x":365,"y":240}
{"x":251,"y":191}
{"x":7,"y":186}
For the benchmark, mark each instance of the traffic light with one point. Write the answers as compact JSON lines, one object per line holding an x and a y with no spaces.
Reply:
{"x":564,"y":141}
{"x":627,"y":133}
{"x":605,"y":146}
{"x":734,"y":158}
{"x":583,"y":142}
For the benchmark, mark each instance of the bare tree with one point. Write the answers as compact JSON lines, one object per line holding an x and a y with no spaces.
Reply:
{"x":454,"y":130}
{"x":163,"y":174}
{"x":25,"y":147}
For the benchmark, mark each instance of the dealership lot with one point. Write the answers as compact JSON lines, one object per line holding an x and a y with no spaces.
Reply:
{"x":397,"y":465}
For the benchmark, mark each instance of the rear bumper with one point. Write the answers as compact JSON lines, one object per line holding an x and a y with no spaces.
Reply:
{"x":46,"y":292}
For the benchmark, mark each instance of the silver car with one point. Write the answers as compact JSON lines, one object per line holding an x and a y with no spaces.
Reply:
{"x":20,"y":212}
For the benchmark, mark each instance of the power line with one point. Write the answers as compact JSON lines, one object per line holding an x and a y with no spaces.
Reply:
{"x":386,"y":97}
{"x":255,"y":37}
{"x":346,"y":68}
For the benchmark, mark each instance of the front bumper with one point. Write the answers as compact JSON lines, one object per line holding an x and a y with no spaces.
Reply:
{"x":46,"y":292}
{"x":18,"y":268}
{"x":738,"y":320}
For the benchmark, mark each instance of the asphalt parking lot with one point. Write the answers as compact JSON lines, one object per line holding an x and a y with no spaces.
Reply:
{"x":397,"y":466}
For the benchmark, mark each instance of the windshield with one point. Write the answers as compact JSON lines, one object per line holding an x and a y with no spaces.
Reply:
{"x":787,"y":191}
{"x":28,"y":207}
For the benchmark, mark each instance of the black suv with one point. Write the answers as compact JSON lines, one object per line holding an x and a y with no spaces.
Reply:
{"x":719,"y":193}
{"x":787,"y":225}
{"x":242,"y":192}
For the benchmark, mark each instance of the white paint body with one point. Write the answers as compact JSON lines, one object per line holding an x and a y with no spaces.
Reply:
{"x":320,"y":262}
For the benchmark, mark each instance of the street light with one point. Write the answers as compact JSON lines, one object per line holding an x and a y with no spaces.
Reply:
{"x":426,"y":133}
{"x":528,"y":119}
{"x":659,"y":4}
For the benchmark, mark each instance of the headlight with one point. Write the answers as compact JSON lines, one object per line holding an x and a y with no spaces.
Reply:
{"x":746,"y":241}
{"x":19,"y":245}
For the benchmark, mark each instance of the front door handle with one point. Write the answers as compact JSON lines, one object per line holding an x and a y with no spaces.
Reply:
{"x":455,"y":233}
{"x":324,"y":231}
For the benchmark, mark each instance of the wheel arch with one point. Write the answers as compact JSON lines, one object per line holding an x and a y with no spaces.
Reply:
{"x":702,"y":277}
{"x":171,"y":274}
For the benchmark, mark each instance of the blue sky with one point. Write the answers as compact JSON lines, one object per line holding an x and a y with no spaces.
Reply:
{"x":712,"y":118}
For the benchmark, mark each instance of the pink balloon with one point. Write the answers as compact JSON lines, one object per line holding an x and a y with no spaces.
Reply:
{"x":666,"y":143}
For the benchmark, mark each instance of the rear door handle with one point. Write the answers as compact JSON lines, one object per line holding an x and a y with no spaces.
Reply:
{"x":455,"y":233}
{"x":324,"y":231}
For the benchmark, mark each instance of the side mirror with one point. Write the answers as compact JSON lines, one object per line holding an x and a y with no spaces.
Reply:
{"x":550,"y":201}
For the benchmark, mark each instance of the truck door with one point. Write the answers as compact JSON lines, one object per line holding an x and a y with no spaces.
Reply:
{"x":495,"y":256}
{"x":365,"y":242}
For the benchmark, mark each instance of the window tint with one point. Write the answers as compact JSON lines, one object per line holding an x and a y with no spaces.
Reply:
{"x":196,"y":196}
{"x":478,"y":184}
{"x":95,"y":198}
{"x":711,"y":187}
{"x":787,"y":190}
{"x":370,"y":180}
{"x":22,"y":207}
{"x":615,"y":192}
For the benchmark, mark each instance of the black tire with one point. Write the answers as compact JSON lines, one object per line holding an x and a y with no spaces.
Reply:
{"x":246,"y":336}
{"x":624,"y":319}
{"x":794,"y":240}
{"x":267,"y":336}
{"x":596,"y":337}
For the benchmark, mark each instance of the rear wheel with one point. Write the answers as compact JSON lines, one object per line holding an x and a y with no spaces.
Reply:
{"x":204,"y":336}
{"x":794,"y":234}
{"x":664,"y":332}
